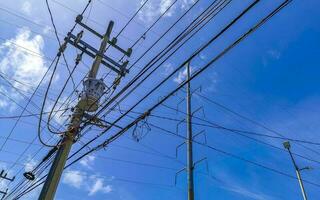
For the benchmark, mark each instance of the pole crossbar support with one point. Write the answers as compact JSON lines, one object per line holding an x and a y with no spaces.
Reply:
{"x":88,"y":102}
{"x":112,"y":42}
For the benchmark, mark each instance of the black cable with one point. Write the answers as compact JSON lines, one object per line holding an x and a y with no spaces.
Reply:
{"x":213,"y":125}
{"x":29,"y":115}
{"x":198,"y":72}
{"x":59,"y":96}
{"x":154,"y":23}
{"x":242,"y":37}
{"x":20,"y":93}
{"x":37,"y":171}
{"x":156,"y":59}
{"x":236,"y":156}
{"x":149,"y":65}
{"x":131,"y":18}
{"x":25,"y":107}
{"x":169,"y":29}
{"x":281,"y":136}
{"x":155,"y":88}
{"x":89,"y":1}
{"x":44,"y":103}
{"x":218,"y":126}
{"x":58,"y":40}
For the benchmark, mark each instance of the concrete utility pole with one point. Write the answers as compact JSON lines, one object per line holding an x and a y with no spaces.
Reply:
{"x":49,"y":189}
{"x":189,"y":139}
{"x":287,"y":146}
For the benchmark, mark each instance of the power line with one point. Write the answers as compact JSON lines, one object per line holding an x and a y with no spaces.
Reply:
{"x":218,"y":126}
{"x":123,"y":89}
{"x":57,"y":62}
{"x":281,"y":136}
{"x":29,"y":115}
{"x":237,"y":157}
{"x":141,"y":117}
{"x":118,"y":134}
{"x":59,"y":42}
{"x":214,"y":125}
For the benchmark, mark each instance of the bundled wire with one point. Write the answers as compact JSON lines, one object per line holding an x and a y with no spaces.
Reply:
{"x":141,"y":117}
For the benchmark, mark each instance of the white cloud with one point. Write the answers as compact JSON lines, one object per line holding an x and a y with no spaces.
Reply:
{"x":168,"y":68}
{"x":185,"y":4}
{"x":248,"y":194}
{"x":275,"y":54}
{"x":98,"y":186}
{"x":164,"y":5}
{"x":88,"y":161}
{"x":21,"y":58}
{"x":74,"y":178}
{"x":46,"y":30}
{"x":203,"y":56}
{"x":155,"y":8}
{"x":30,"y":164}
{"x":91,"y":183}
{"x":26,"y":7}
{"x":62,"y":115}
{"x":211,"y":81}
{"x":182,"y":75}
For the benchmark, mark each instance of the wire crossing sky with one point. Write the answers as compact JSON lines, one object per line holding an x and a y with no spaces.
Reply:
{"x":253,"y":80}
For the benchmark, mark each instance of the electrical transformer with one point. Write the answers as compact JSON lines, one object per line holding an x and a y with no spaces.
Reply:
{"x":92,"y":91}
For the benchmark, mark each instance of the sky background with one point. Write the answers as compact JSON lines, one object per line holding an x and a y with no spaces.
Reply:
{"x":271,"y":77}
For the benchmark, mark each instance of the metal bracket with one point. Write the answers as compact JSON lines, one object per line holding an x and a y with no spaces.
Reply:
{"x":177,"y":173}
{"x":113,"y":42}
{"x":4,"y":193}
{"x":203,"y":132}
{"x":193,"y":91}
{"x":177,"y":148}
{"x":178,"y":124}
{"x":92,"y":52}
{"x":202,"y":160}
{"x":99,"y":122}
{"x":198,"y":110}
{"x":178,"y":104}
{"x":305,"y":168}
{"x":4,"y":176}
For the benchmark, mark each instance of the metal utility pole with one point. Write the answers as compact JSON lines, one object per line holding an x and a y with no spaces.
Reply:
{"x":287,"y":146}
{"x":189,"y":139}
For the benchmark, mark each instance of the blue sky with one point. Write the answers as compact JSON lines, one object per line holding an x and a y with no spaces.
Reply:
{"x":270,"y":77}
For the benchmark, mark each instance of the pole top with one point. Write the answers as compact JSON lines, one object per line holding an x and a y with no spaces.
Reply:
{"x":287,"y":145}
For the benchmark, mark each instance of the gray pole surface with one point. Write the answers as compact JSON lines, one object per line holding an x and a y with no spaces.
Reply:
{"x":297,"y":169}
{"x":189,"y":140}
{"x":298,"y":176}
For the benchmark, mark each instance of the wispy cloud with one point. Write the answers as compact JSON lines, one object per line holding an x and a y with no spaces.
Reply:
{"x":21,"y":59}
{"x":30,"y":164}
{"x":168,"y":68}
{"x":26,"y":7}
{"x":182,"y":75}
{"x":156,"y":8}
{"x":88,"y":161}
{"x":73,"y":178}
{"x":93,"y":184}
{"x":274,"y":53}
{"x":99,"y":186}
{"x":248,"y":193}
